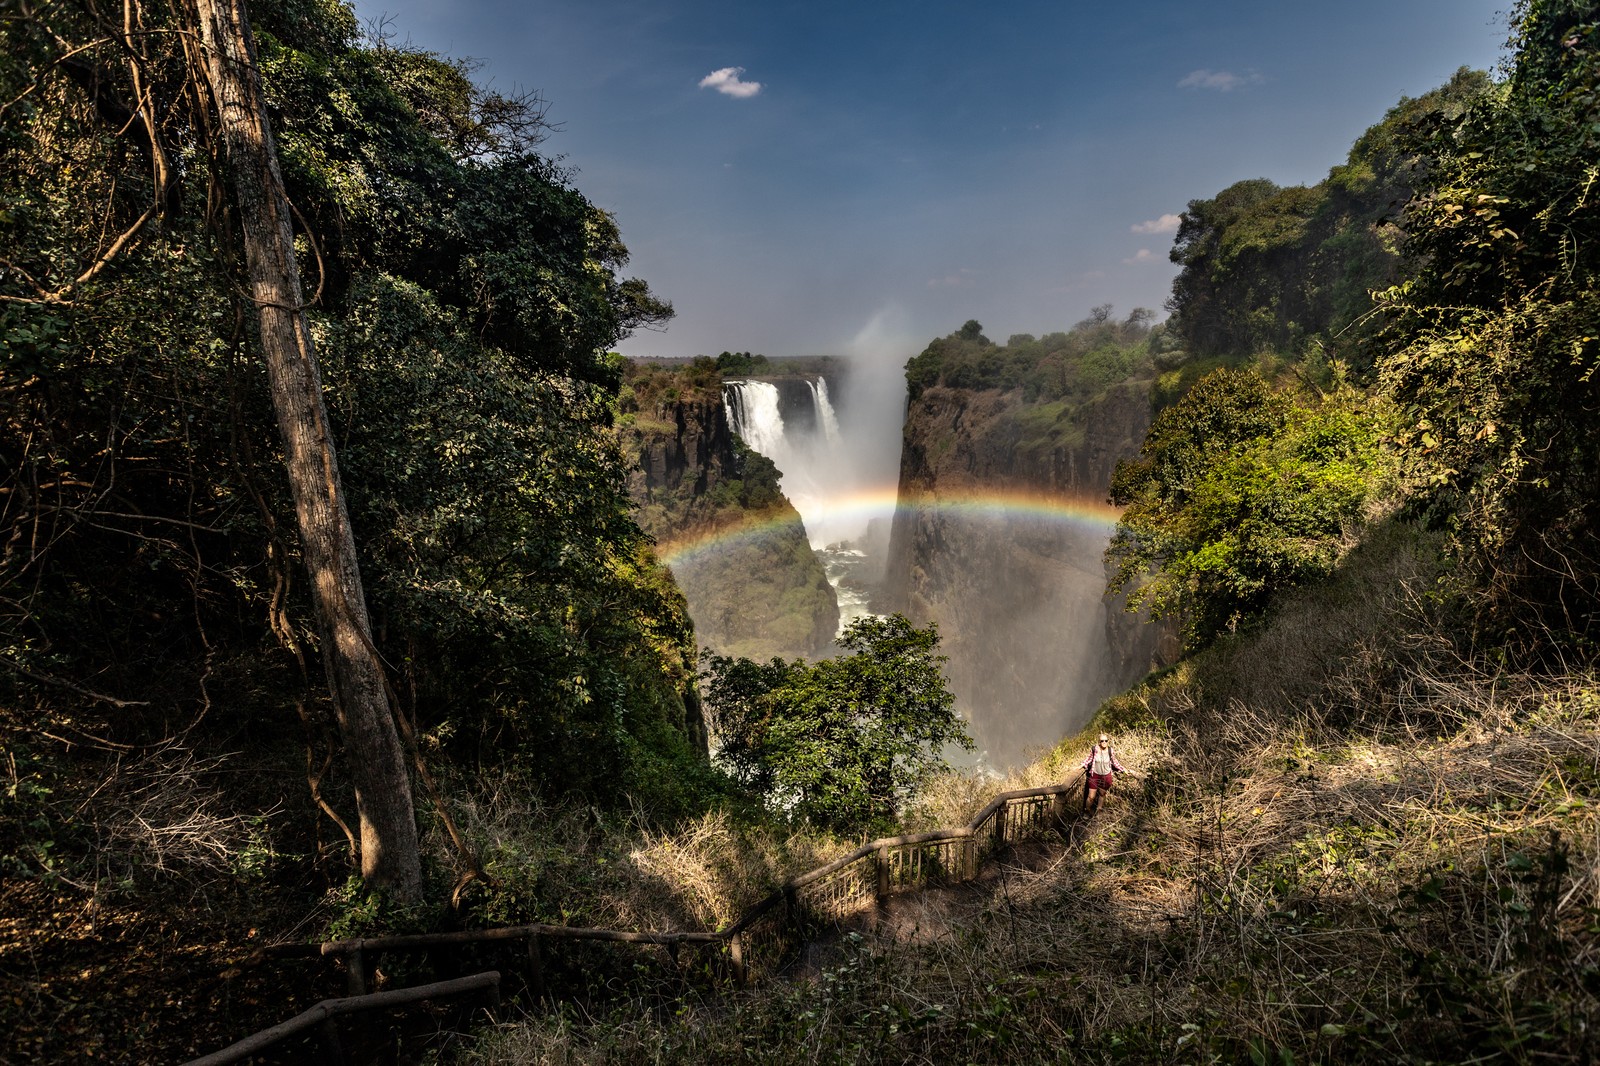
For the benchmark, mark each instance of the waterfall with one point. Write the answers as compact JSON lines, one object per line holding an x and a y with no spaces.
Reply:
{"x":753,"y":413}
{"x":817,"y":472}
{"x":825,"y":414}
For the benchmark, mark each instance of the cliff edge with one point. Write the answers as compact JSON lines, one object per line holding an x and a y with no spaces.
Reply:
{"x":734,"y":543}
{"x":999,"y":538}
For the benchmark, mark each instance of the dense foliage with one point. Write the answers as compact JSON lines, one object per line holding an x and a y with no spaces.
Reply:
{"x":1074,"y":366}
{"x":1496,"y":335}
{"x":466,"y":296}
{"x":841,"y":742}
{"x":1239,"y":493}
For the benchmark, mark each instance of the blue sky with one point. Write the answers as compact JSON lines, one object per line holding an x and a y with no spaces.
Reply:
{"x":904,"y":167}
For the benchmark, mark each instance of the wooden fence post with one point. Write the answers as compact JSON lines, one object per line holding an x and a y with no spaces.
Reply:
{"x":536,"y":966}
{"x":356,"y":971}
{"x":677,"y":965}
{"x":792,"y":916}
{"x":881,"y":861}
{"x":736,"y":959}
{"x":332,"y":1048}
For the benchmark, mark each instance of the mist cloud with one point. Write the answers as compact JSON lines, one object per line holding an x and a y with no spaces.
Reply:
{"x":1164,"y":224}
{"x":1143,"y":255}
{"x":727,"y":82}
{"x":1223,"y":81}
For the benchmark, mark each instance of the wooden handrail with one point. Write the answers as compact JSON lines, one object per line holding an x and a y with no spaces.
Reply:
{"x":750,"y":915}
{"x":512,"y":932}
{"x":785,"y":897}
{"x":1022,"y":793}
{"x":332,"y":1008}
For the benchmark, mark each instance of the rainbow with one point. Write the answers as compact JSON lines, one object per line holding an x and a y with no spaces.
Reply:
{"x":857,"y":509}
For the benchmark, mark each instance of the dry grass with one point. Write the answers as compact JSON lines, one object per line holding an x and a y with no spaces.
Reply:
{"x":573,"y":866}
{"x":1348,"y":844}
{"x":166,"y":814}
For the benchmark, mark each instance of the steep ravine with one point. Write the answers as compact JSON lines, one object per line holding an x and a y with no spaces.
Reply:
{"x":1016,"y":586}
{"x":735,"y":544}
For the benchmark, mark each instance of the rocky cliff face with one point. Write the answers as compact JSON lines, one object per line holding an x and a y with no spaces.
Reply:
{"x":685,"y":449}
{"x":999,"y":538}
{"x":736,"y":546}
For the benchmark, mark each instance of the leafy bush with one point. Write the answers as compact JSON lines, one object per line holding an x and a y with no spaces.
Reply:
{"x":841,"y":742}
{"x":1240,"y":492}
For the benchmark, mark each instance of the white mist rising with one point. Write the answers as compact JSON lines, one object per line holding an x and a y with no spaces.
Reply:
{"x":835,"y":440}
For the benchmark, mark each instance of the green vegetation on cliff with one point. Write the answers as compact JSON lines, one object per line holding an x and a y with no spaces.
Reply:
{"x":1070,"y":367}
{"x":1291,"y":270}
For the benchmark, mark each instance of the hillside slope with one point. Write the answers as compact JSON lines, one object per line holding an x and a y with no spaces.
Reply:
{"x":1346,"y":843}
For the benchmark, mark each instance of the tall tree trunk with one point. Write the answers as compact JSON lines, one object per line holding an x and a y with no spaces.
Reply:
{"x":389,"y":854}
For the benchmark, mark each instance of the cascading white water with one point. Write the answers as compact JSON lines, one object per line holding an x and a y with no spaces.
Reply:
{"x":817,"y":473}
{"x":753,"y":413}
{"x":825,"y":413}
{"x":811,"y":462}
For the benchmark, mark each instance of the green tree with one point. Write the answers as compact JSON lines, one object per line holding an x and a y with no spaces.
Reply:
{"x":1494,"y":349}
{"x":1239,"y":493}
{"x":841,"y":742}
{"x":1271,"y":269}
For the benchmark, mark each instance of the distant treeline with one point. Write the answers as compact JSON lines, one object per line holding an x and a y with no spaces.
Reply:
{"x":747,"y":364}
{"x":1097,"y":352}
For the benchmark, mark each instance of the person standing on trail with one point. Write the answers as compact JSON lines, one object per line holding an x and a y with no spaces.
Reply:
{"x":1102,"y":767}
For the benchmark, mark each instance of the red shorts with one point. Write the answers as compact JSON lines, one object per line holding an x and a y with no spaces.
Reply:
{"x":1103,"y":782}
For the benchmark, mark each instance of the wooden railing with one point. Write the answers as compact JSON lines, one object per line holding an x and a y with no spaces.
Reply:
{"x":764,"y":934}
{"x":322,"y":1015}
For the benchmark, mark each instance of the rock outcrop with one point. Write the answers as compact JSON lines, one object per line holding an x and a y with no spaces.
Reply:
{"x":999,"y":538}
{"x":735,"y":545}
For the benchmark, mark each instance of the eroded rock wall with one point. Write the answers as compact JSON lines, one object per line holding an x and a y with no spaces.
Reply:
{"x":736,"y":546}
{"x":1000,"y":539}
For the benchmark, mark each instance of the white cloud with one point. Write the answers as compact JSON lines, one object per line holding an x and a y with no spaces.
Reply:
{"x":727,"y":82}
{"x":1164,"y":224}
{"x":1221,"y":80}
{"x":1143,"y":255}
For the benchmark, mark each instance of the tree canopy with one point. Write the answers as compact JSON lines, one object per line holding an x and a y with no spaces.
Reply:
{"x":841,"y":742}
{"x":1267,"y":268}
{"x":463,"y":296}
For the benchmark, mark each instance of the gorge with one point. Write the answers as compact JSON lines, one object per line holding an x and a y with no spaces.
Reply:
{"x":987,"y":517}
